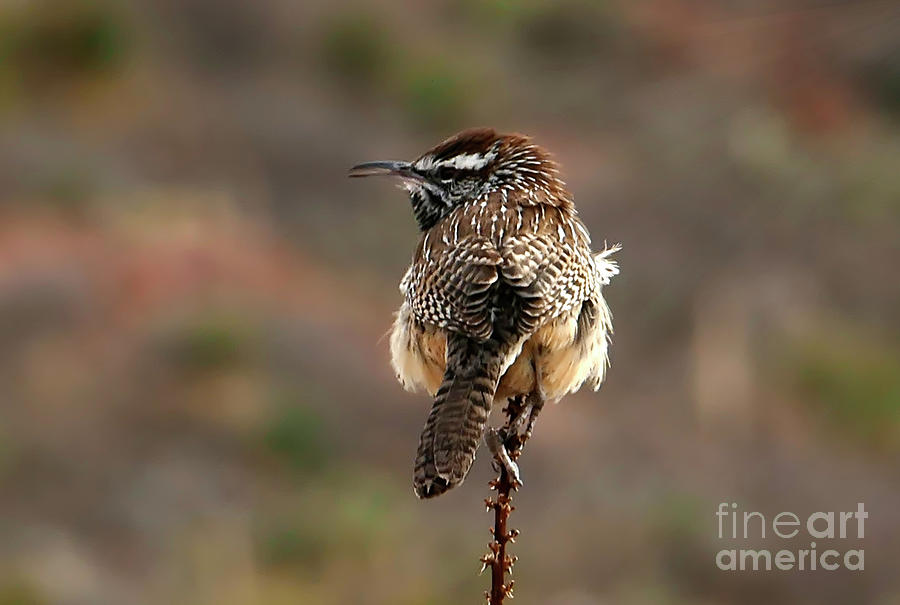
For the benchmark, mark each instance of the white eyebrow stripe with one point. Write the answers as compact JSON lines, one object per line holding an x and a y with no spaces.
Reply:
{"x":469,"y":161}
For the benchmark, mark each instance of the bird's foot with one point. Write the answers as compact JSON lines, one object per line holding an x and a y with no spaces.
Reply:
{"x":535,"y":403}
{"x":494,"y":441}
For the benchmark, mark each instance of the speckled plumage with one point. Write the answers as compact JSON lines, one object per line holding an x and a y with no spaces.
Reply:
{"x":503,"y":296}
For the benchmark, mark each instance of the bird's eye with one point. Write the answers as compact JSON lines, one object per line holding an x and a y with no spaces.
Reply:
{"x":447,"y":173}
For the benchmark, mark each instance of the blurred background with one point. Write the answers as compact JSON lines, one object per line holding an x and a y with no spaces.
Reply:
{"x":196,"y":403}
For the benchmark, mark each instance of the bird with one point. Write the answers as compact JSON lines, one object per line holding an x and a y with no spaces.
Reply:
{"x":503,"y":295}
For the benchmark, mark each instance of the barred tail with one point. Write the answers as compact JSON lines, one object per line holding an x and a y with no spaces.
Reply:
{"x":458,"y":416}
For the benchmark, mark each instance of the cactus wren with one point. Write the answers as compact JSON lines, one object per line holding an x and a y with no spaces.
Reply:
{"x":503,"y":295}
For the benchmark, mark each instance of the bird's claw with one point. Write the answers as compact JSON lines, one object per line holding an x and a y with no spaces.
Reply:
{"x":493,"y":440}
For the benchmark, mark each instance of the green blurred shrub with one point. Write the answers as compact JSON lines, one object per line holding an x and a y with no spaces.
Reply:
{"x":357,"y":49}
{"x":49,"y":39}
{"x":70,"y":188}
{"x":7,"y":452}
{"x":871,"y":185}
{"x":882,"y":78}
{"x":304,"y":544}
{"x":297,"y":435}
{"x":854,"y":384}
{"x":503,"y":15}
{"x":19,"y":592}
{"x":677,"y":517}
{"x":431,"y":88}
{"x":568,"y":32}
{"x":210,"y":343}
{"x":344,"y":517}
{"x":435,"y":95}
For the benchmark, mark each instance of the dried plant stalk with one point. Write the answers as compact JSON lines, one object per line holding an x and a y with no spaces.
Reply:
{"x":508,"y":481}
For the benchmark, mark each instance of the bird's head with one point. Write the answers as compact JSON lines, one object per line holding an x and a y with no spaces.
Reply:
{"x":469,"y":167}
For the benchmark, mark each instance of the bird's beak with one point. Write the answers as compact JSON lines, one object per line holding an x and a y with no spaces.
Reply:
{"x":400,"y":169}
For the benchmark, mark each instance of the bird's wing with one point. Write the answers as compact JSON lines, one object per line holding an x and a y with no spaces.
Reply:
{"x":449,"y":285}
{"x":550,"y":268}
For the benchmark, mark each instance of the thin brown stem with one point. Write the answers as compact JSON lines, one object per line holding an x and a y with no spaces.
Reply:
{"x":497,"y":559}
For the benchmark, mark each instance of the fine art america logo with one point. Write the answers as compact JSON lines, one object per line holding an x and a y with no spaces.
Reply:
{"x":735,"y":525}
